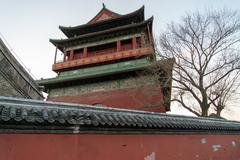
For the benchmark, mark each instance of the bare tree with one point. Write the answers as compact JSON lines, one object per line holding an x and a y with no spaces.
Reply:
{"x":207,"y":59}
{"x":223,"y":92}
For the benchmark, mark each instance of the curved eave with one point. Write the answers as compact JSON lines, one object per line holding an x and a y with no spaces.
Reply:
{"x":110,"y":12}
{"x":54,"y":81}
{"x":68,"y":30}
{"x":59,"y":43}
{"x":32,"y":115}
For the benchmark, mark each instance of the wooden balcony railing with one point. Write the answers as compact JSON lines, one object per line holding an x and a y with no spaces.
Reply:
{"x":103,"y":58}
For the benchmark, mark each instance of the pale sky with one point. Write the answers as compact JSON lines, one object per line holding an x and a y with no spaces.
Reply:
{"x":27,"y":25}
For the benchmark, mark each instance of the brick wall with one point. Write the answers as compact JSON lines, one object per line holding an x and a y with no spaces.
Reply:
{"x":110,"y":84}
{"x":6,"y":89}
{"x":14,"y":80}
{"x":147,"y":98}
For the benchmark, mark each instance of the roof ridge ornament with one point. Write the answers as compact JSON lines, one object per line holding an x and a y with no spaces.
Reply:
{"x":103,"y":5}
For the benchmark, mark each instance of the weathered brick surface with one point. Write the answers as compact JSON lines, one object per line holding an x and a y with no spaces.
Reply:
{"x":7,"y":90}
{"x":148,"y":98}
{"x":14,"y":80}
{"x":103,"y":85}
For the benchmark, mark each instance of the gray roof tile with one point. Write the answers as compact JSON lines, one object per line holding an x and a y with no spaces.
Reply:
{"x":39,"y":113}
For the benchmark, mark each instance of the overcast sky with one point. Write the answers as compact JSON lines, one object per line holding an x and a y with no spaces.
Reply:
{"x":27,"y":25}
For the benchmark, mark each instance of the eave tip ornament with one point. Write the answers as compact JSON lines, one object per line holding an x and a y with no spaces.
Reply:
{"x":103,"y":5}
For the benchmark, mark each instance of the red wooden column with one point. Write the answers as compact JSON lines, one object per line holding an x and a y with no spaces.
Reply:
{"x":134,"y":42}
{"x":85,"y":52}
{"x":64,"y":56}
{"x":71,"y":54}
{"x":118,"y":45}
{"x":149,"y":34}
{"x":142,"y":40}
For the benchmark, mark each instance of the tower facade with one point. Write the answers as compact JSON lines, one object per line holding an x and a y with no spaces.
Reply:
{"x":101,"y":63}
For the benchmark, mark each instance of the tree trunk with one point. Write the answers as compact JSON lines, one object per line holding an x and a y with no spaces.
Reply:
{"x":204,"y":105}
{"x":219,"y":112}
{"x":204,"y":111}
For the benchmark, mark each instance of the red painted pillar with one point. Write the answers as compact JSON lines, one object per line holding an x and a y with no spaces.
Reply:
{"x":149,"y":34}
{"x":64,"y":56}
{"x":142,"y":40}
{"x":85,"y":52}
{"x":71,"y":54}
{"x":134,"y":42}
{"x":118,"y":46}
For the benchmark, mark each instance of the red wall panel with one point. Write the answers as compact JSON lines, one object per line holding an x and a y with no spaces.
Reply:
{"x":146,"y":98}
{"x":118,"y":147}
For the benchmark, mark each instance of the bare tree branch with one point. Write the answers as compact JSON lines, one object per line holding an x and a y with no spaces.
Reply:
{"x":207,"y":59}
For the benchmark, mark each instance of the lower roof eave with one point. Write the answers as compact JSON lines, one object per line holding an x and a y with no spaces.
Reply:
{"x":24,"y":115}
{"x":51,"y":81}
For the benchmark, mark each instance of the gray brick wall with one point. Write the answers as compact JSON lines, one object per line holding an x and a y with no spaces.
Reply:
{"x":6,"y":89}
{"x":14,"y":80}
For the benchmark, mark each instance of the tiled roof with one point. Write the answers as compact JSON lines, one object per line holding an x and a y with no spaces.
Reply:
{"x":104,"y":25}
{"x":38,"y":113}
{"x":61,"y":42}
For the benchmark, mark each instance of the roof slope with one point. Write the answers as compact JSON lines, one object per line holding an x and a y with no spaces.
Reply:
{"x":37,"y":115}
{"x":14,"y":72}
{"x":104,"y":14}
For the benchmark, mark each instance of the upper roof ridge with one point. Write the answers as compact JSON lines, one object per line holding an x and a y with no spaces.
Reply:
{"x":103,"y":14}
